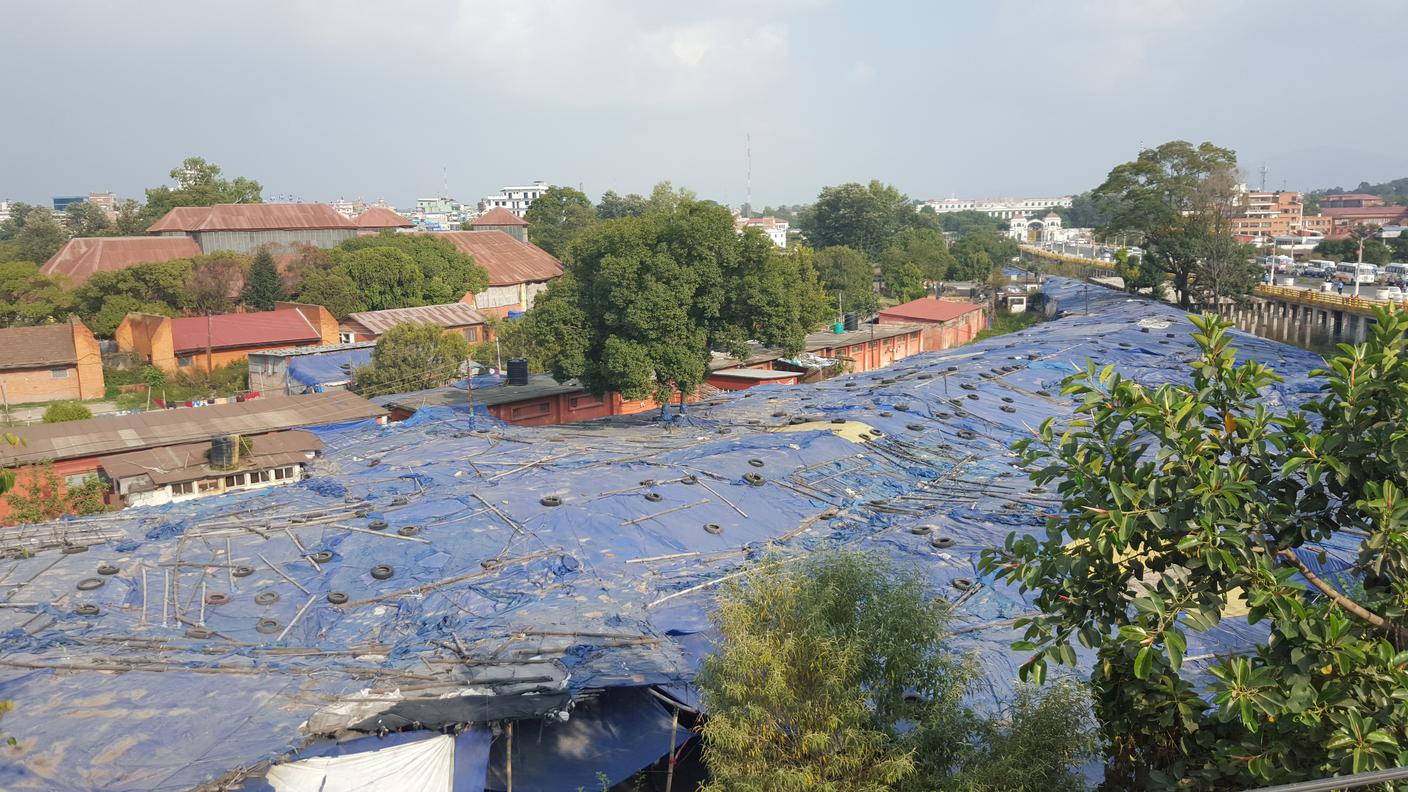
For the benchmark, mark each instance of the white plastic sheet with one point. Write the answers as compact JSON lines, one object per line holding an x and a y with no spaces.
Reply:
{"x":422,"y":766}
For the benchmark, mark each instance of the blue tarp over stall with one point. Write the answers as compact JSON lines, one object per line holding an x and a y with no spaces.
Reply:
{"x":327,"y":367}
{"x":453,"y":570}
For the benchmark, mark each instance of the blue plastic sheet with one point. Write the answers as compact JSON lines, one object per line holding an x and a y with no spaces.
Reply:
{"x":327,"y":367}
{"x":496,"y":592}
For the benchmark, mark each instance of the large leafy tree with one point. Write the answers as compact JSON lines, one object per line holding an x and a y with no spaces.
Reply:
{"x":1175,"y":198}
{"x":84,"y":219}
{"x":29,"y":297}
{"x":199,"y":183}
{"x":1183,"y":505}
{"x":832,"y":675}
{"x":385,"y":277}
{"x":217,"y":280}
{"x":446,"y":274}
{"x":265,"y":286}
{"x":161,"y":287}
{"x":557,"y":216}
{"x":924,"y":248}
{"x":40,"y":236}
{"x":862,"y":216}
{"x":331,"y":289}
{"x":967,"y":220}
{"x":411,"y":357}
{"x":648,"y":297}
{"x":614,"y":207}
{"x":847,"y":276}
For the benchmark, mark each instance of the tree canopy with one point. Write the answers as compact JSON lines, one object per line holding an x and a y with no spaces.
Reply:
{"x":264,"y":286}
{"x":40,"y":236}
{"x":557,"y":216}
{"x":411,"y":357}
{"x":384,"y":277}
{"x":1176,"y":198}
{"x":1184,"y":504}
{"x":198,"y":183}
{"x":331,"y":289}
{"x":846,"y":273}
{"x":648,"y":297}
{"x":860,"y":216}
{"x":446,"y":274}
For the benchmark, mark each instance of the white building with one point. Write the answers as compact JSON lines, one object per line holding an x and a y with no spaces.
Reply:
{"x":774,"y":228}
{"x":350,"y":208}
{"x":1026,"y":228}
{"x":516,"y":199}
{"x":1002,"y":208}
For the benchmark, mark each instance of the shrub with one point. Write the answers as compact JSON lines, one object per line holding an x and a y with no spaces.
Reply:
{"x":59,"y":412}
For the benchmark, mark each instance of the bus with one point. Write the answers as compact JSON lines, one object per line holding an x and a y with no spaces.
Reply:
{"x":1351,"y":272}
{"x":1398,"y":270}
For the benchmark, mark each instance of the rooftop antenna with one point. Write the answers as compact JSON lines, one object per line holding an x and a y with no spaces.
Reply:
{"x":445,"y":181}
{"x":1263,"y":177}
{"x":748,"y":150}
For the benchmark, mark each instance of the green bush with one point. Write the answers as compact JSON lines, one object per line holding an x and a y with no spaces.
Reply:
{"x":59,"y":412}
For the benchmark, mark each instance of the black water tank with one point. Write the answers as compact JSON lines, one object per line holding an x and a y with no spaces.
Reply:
{"x":850,"y":321}
{"x":222,"y":451}
{"x":518,"y":371}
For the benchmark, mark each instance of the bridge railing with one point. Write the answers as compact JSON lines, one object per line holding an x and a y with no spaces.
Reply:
{"x":1346,"y":302}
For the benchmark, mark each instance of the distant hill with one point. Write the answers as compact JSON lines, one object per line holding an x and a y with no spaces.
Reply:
{"x":1393,"y":192}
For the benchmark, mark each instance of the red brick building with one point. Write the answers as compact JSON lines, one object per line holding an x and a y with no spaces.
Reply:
{"x":201,"y":343}
{"x":454,"y":317}
{"x":50,"y":363}
{"x":947,"y":323}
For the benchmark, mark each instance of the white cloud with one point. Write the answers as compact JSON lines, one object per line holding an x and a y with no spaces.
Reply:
{"x":570,"y":54}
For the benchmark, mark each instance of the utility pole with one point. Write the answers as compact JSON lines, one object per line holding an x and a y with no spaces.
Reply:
{"x":209,"y":345}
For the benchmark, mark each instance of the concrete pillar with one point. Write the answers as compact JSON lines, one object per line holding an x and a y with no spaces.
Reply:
{"x":1361,"y":328}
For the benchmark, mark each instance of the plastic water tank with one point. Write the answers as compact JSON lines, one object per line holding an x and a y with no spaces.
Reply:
{"x":850,"y":322}
{"x":518,"y":371}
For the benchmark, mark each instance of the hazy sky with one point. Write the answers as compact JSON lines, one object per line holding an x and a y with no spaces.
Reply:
{"x":320,"y":100}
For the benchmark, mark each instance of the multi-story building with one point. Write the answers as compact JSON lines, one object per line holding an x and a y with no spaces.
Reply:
{"x":775,"y":228}
{"x":516,"y":199}
{"x":1261,"y":216}
{"x":1350,"y":201}
{"x":1002,"y":208}
{"x":351,"y":208}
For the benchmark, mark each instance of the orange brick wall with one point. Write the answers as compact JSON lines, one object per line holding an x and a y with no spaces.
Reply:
{"x":20,"y":386}
{"x":317,"y":316}
{"x":148,"y":337}
{"x":90,"y":362}
{"x":69,"y":467}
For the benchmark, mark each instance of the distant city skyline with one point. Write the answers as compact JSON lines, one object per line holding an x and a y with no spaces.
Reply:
{"x":399,"y":102}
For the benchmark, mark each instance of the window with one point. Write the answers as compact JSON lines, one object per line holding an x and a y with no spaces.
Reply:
{"x":344,"y":338}
{"x":283,"y":473}
{"x":471,"y":334}
{"x":237,"y":480}
{"x":59,"y":373}
{"x":183,"y":361}
{"x":76,"y":481}
{"x":183,"y":488}
{"x":540,"y":408}
{"x":259,"y":477}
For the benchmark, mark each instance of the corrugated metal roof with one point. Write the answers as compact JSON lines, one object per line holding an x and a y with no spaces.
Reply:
{"x":499,"y":216}
{"x":182,"y":218}
{"x":80,"y":258}
{"x":225,"y":331}
{"x":446,"y":315}
{"x":31,"y":347}
{"x":113,"y":433}
{"x":381,"y":217}
{"x":929,"y":309}
{"x":188,"y":461}
{"x":507,"y":260}
{"x":876,"y":332}
{"x":253,"y":217}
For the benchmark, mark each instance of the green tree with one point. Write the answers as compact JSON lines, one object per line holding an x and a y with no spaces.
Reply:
{"x":85,"y":220}
{"x":384,"y":277}
{"x":832,"y":675}
{"x":198,"y":183}
{"x":131,"y":220}
{"x":41,"y":496}
{"x":411,"y":357}
{"x":333,"y":290}
{"x":903,"y":280}
{"x":115,"y":307}
{"x":446,"y":274}
{"x":967,"y":220}
{"x":265,"y":286}
{"x":159,"y":283}
{"x":665,"y":198}
{"x":557,"y":216}
{"x":925,"y":248}
{"x":19,"y":213}
{"x":1183,"y":504}
{"x":614,"y":207}
{"x":845,"y":273}
{"x":647,"y":298}
{"x":217,"y":280}
{"x":40,"y":237}
{"x":863,"y":217}
{"x":1175,"y":198}
{"x":29,"y":297}
{"x":62,"y":411}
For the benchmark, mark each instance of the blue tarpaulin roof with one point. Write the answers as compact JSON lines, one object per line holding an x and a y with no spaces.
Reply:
{"x":324,"y":368}
{"x":471,"y":598}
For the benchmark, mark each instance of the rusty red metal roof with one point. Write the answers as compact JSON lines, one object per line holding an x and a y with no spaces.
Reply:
{"x":499,"y":216}
{"x":381,"y":217}
{"x":253,"y":217}
{"x":928,"y":309}
{"x":507,"y":260}
{"x":182,"y":218}
{"x":80,"y":258}
{"x":283,"y":327}
{"x":449,"y":315}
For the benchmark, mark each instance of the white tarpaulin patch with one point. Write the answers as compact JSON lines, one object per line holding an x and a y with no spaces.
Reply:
{"x":425,"y":766}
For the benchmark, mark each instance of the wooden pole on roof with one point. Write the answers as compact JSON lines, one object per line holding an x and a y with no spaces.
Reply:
{"x":209,"y":345}
{"x":508,"y":754}
{"x":674,"y":731}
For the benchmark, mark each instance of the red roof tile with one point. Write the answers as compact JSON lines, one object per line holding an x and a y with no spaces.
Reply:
{"x":284,"y":327}
{"x":80,"y":258}
{"x":380,"y":217}
{"x":499,"y":216}
{"x":507,"y":260}
{"x":253,"y":217}
{"x":1338,"y":212}
{"x":448,"y":316}
{"x":928,"y":309}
